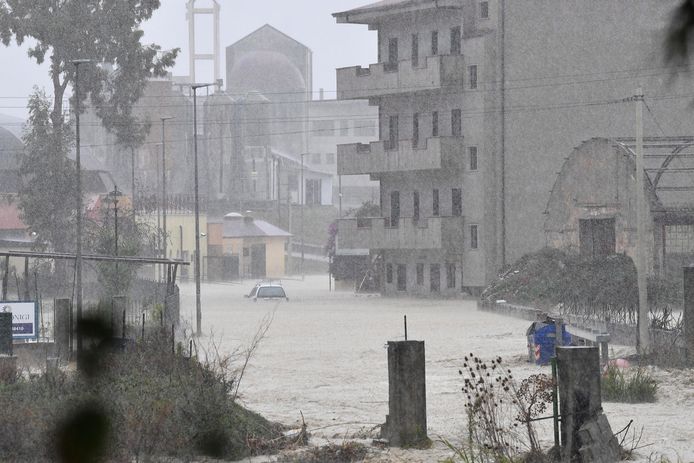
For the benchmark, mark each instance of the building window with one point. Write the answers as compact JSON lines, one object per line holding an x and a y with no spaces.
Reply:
{"x":246,"y":252}
{"x":363,"y":128}
{"x":313,"y":191}
{"x":450,"y":275}
{"x":679,"y":239}
{"x":415,"y":206}
{"x":344,"y":128}
{"x":330,"y":158}
{"x":315,"y":158}
{"x":472,"y":73}
{"x":415,"y":50}
{"x":393,"y":132}
{"x":402,"y":277}
{"x":456,"y":202}
{"x":420,"y":274}
{"x":484,"y":10}
{"x":389,"y":273}
{"x":324,"y":128}
{"x":435,"y":124}
{"x":456,"y":123}
{"x":415,"y":130}
{"x":435,"y":43}
{"x":473,"y":237}
{"x":434,"y":278}
{"x":435,"y":202}
{"x":392,"y":64}
{"x":472,"y":151}
{"x":455,"y":40}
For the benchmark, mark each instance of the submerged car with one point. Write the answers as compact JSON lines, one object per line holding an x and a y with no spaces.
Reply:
{"x":267,"y":291}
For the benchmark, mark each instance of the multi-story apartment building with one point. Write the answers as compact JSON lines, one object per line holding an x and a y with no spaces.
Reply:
{"x":432,"y":179}
{"x":479,"y":103}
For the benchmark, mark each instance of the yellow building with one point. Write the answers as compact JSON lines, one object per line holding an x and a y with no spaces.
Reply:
{"x":180,"y":240}
{"x":259,"y":246}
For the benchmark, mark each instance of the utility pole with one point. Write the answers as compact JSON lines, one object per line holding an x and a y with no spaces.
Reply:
{"x":641,"y":271}
{"x":302,"y":201}
{"x":78,"y":185}
{"x":164,"y":201}
{"x":198,"y":308}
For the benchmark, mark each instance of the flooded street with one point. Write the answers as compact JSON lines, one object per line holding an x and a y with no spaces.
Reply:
{"x":324,"y":356}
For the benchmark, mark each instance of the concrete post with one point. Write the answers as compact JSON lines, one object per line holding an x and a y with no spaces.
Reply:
{"x":406,"y":423}
{"x":6,"y":333}
{"x":579,"y":393}
{"x":61,"y":328}
{"x":688,"y":313}
{"x":8,"y":363}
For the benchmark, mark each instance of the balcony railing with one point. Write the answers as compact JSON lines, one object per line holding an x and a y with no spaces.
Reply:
{"x":376,"y":157}
{"x":381,"y":79}
{"x":405,"y":233}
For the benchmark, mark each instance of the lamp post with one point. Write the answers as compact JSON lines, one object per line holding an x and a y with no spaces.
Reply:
{"x":78,"y":188}
{"x":164,"y":201}
{"x":198,"y":310}
{"x":302,"y":202}
{"x":114,"y":196}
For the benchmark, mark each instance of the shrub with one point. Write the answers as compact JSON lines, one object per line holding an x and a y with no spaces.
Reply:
{"x":346,"y":452}
{"x":636,"y":387}
{"x":500,"y":412}
{"x":156,"y":404}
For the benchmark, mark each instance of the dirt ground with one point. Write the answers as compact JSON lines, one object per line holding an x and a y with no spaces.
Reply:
{"x":324,"y":356}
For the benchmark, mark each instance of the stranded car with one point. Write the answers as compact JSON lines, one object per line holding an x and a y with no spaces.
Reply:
{"x":267,"y":291}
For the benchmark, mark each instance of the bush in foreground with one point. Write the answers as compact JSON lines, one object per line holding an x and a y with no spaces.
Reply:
{"x":146,"y":400}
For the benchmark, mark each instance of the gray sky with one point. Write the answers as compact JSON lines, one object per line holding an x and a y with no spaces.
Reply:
{"x":308,"y":21}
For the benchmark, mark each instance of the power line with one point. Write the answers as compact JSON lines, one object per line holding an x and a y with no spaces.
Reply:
{"x":669,"y":70}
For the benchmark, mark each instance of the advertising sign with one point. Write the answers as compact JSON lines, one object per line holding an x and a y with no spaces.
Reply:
{"x":24,"y":318}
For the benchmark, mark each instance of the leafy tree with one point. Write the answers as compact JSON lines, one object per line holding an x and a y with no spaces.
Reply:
{"x":48,"y":178}
{"x":134,"y":239}
{"x":680,"y":34}
{"x":105,"y":31}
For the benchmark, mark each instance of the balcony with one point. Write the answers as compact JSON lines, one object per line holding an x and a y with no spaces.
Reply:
{"x":383,"y":79}
{"x":431,"y":154}
{"x":376,"y":233}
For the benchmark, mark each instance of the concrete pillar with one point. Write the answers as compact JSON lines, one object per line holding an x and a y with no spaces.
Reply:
{"x":8,"y":363}
{"x":688,"y":313}
{"x":579,"y":393}
{"x":406,"y":423}
{"x":62,"y":329}
{"x":6,"y":333}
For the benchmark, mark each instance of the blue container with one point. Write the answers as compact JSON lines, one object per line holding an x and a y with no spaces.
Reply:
{"x":541,"y":341}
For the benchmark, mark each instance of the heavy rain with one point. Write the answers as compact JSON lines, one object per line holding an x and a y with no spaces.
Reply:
{"x":346,"y":231}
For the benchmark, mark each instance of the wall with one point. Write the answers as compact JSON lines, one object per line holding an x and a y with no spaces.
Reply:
{"x":547,"y":114}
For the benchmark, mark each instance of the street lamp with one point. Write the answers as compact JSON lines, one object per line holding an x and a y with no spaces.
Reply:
{"x":198,"y":310}
{"x":164,"y":201}
{"x":78,"y":167}
{"x":114,"y":196}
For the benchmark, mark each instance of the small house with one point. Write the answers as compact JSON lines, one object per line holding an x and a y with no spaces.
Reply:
{"x":260,"y":246}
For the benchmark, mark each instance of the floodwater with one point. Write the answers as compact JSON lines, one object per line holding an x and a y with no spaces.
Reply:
{"x":324,"y":356}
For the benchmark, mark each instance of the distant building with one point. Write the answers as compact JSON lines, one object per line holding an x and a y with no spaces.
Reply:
{"x":161,"y":98}
{"x":592,"y":207}
{"x":10,"y":149}
{"x":478,"y":103}
{"x":256,"y":247}
{"x":274,"y":119}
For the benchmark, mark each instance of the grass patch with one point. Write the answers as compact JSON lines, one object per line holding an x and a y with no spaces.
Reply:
{"x":630,"y":387}
{"x":346,"y":452}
